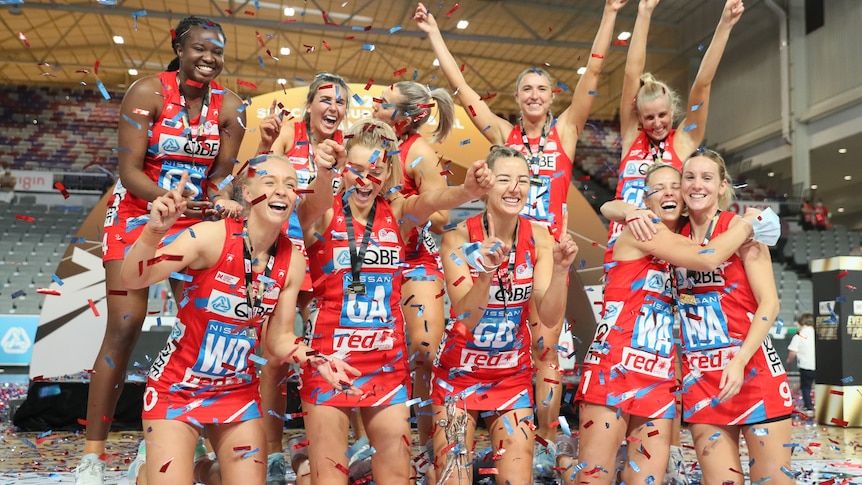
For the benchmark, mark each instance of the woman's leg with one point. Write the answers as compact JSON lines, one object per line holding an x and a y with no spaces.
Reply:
{"x":170,"y":451}
{"x":425,"y":320}
{"x":648,"y":448}
{"x":601,"y":435}
{"x":240,"y":451}
{"x":126,"y":312}
{"x":326,"y":428}
{"x":768,"y":453}
{"x":717,"y":450}
{"x":389,"y":433}
{"x":515,"y":466}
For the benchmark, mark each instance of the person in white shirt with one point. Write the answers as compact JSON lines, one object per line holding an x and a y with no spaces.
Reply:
{"x":802,"y":348}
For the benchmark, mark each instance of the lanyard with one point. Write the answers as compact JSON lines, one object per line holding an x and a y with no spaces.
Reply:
{"x":657,"y":151}
{"x":312,"y":168}
{"x":505,"y":280}
{"x":187,"y":123}
{"x":688,"y":297}
{"x":254,"y":304}
{"x":534,"y":159}
{"x":711,"y":227}
{"x":356,"y":287}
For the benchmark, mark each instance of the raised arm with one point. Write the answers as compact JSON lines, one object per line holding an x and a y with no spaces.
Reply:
{"x":635,"y":62}
{"x":571,"y":122}
{"x":415,"y":211}
{"x":694,"y":124}
{"x":758,"y":269}
{"x":270,"y":129}
{"x":330,"y":158}
{"x":551,"y":270}
{"x":498,"y":128}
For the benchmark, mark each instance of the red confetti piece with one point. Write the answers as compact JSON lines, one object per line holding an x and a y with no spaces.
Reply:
{"x":260,"y":39}
{"x":551,"y":381}
{"x":652,"y":433}
{"x":620,"y":42}
{"x":261,"y":198}
{"x":488,"y":471}
{"x":839,"y":422}
{"x":62,"y":188}
{"x":25,"y":218}
{"x":693,"y":316}
{"x":487,"y":96}
{"x":93,"y":307}
{"x":242,"y":448}
{"x":399,"y":72}
{"x":164,"y":467}
{"x":81,"y":421}
{"x":350,"y":37}
{"x":48,"y":291}
{"x":326,"y":45}
{"x":472,"y":111}
{"x":850,"y":287}
{"x":118,"y":292}
{"x":326,"y":19}
{"x":23,"y":38}
{"x":460,"y":280}
{"x":194,"y":84}
{"x":597,"y":56}
{"x":463,"y":66}
{"x":247,"y":84}
{"x":250,"y":13}
{"x":369,"y":83}
{"x":171,"y":257}
{"x":583,"y":178}
{"x":452,"y":10}
{"x":588,"y":424}
{"x":842,"y":274}
{"x":837,"y":393}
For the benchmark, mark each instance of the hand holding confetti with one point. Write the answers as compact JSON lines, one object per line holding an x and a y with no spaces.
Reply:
{"x":168,"y":207}
{"x":336,"y":371}
{"x":329,"y":157}
{"x":479,"y":179}
{"x":424,"y":20}
{"x":228,"y":208}
{"x":492,"y":250}
{"x":566,"y":249}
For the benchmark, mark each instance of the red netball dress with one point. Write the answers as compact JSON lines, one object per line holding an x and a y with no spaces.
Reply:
{"x":176,"y":144}
{"x":365,"y":329}
{"x":205,"y":373}
{"x":716,"y":308}
{"x":423,"y":256}
{"x":491,"y":367}
{"x":630,"y":364}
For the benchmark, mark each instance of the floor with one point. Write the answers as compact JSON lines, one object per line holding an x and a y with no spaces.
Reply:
{"x":822,"y":455}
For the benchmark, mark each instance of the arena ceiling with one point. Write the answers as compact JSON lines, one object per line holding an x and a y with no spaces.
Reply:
{"x":71,"y":42}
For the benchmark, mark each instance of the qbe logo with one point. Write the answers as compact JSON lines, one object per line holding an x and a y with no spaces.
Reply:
{"x":16,"y":341}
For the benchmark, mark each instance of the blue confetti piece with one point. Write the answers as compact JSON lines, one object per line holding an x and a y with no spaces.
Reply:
{"x":483,"y":130}
{"x":634,"y":466}
{"x":847,"y":380}
{"x":358,"y":99}
{"x":102,"y":89}
{"x":706,"y":251}
{"x":715,"y":436}
{"x":562,"y":86}
{"x":216,"y":43}
{"x":415,"y":162}
{"x":696,"y":107}
{"x":181,"y":276}
{"x":57,"y":279}
{"x":508,"y":425}
{"x":394,"y":29}
{"x":495,"y":247}
{"x":251,"y":453}
{"x":367,"y":47}
{"x":130,"y":121}
{"x":690,"y":127}
{"x":109,"y":361}
{"x":374,"y":156}
{"x":48,"y":391}
{"x":415,"y":74}
{"x":464,"y":142}
{"x":593,"y":93}
{"x":564,"y":425}
{"x":257,"y":359}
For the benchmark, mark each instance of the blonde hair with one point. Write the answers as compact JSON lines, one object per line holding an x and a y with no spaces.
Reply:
{"x":725,"y":199}
{"x":323,"y":79}
{"x":375,"y":134}
{"x":651,"y":89}
{"x":533,"y":70}
{"x":655,"y":168}
{"x":499,"y":151}
{"x":414,"y":94}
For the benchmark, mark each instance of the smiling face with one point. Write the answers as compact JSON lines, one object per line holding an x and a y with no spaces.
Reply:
{"x":508,"y":194}
{"x":275,"y":179}
{"x":664,"y":194}
{"x":365,"y":177}
{"x":656,"y":117}
{"x":534,"y":95}
{"x":326,"y":109}
{"x":703,"y":185}
{"x":201,"y":54}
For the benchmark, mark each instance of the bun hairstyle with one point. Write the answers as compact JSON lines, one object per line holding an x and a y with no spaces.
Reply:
{"x":377,"y":135}
{"x":499,"y":151}
{"x":183,"y":28}
{"x":324,"y":79}
{"x":651,"y":89}
{"x":725,"y":199}
{"x":413,"y":95}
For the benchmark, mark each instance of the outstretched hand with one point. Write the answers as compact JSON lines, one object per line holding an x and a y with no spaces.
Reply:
{"x":479,"y":179}
{"x":424,"y":20}
{"x":337,"y":373}
{"x":168,"y":207}
{"x":566,"y":249}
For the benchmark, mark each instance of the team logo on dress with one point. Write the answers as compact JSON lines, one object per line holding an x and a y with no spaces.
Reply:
{"x":170,"y":145}
{"x":551,"y":146}
{"x":343,"y":258}
{"x":221,"y":304}
{"x":385,"y":235}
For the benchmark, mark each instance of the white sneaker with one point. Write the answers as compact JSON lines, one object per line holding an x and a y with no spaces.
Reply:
{"x":140,"y":461}
{"x":91,"y":470}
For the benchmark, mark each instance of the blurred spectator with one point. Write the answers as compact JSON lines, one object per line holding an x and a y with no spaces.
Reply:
{"x":807,"y":215}
{"x":802,"y":348}
{"x":821,"y":216}
{"x":7,"y":186}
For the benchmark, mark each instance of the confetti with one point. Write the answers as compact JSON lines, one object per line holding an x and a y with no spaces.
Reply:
{"x":23,"y":38}
{"x":690,"y":127}
{"x":453,"y":9}
{"x":93,"y":307}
